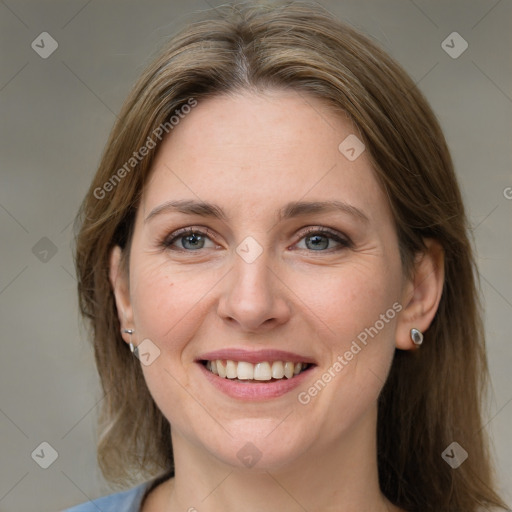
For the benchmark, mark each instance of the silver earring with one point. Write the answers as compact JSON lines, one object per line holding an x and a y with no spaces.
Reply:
{"x":416,"y":336}
{"x":130,"y":332}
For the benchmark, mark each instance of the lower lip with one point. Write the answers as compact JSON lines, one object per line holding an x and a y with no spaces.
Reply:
{"x":252,"y":390}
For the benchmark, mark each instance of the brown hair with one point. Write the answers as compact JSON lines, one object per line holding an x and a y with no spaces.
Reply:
{"x":432,"y":397}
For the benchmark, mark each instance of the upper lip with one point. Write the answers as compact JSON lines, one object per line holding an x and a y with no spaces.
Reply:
{"x":254,"y":356}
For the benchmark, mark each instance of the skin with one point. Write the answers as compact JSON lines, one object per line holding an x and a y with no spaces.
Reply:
{"x":251,"y":154}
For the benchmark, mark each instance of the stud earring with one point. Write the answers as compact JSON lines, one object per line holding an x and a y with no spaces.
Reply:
{"x":130,"y":332}
{"x":416,"y":336}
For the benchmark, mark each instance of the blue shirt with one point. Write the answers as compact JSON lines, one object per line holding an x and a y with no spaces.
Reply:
{"x":126,"y":501}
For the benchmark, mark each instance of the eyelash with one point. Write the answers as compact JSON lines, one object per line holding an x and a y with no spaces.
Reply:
{"x":181,"y":233}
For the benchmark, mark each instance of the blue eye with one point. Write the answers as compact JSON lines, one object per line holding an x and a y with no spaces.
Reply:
{"x":319,"y":239}
{"x":192,"y":240}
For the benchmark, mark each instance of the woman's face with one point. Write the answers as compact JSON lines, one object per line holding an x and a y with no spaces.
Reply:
{"x":265,"y":279}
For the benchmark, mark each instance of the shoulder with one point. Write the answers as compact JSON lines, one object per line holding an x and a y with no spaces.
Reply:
{"x":127,"y":501}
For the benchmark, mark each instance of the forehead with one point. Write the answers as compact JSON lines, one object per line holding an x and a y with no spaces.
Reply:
{"x":254,"y":152}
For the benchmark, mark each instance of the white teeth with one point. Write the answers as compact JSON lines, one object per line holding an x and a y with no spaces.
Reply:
{"x":221,"y":369}
{"x":245,"y":371}
{"x":288,"y":370}
{"x":231,"y":372}
{"x":277,"y":370}
{"x":263,"y":371}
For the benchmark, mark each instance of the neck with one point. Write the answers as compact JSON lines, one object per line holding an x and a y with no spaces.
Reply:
{"x":336,"y":476}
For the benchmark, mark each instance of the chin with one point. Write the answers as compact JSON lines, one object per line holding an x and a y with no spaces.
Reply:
{"x":263,"y":444}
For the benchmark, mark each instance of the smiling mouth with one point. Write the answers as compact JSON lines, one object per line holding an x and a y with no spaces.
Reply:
{"x":264,"y":371}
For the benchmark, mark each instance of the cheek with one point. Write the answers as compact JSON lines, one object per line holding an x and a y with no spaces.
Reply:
{"x":352,"y":300}
{"x":165,"y":299}
{"x":357,"y":312}
{"x":166,"y":306}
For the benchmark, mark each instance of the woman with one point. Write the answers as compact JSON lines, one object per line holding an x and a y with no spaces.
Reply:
{"x":274,"y":259}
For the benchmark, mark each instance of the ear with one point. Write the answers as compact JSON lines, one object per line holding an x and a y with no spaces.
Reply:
{"x":120,"y":284}
{"x":422,"y":294}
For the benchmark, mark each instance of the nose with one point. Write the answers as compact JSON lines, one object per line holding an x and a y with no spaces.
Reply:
{"x":254,"y":297}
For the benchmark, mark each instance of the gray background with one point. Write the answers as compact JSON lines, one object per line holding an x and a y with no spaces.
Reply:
{"x":56,"y":114}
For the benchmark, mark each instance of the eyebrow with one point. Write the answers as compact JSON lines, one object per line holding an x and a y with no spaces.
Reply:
{"x":290,"y":210}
